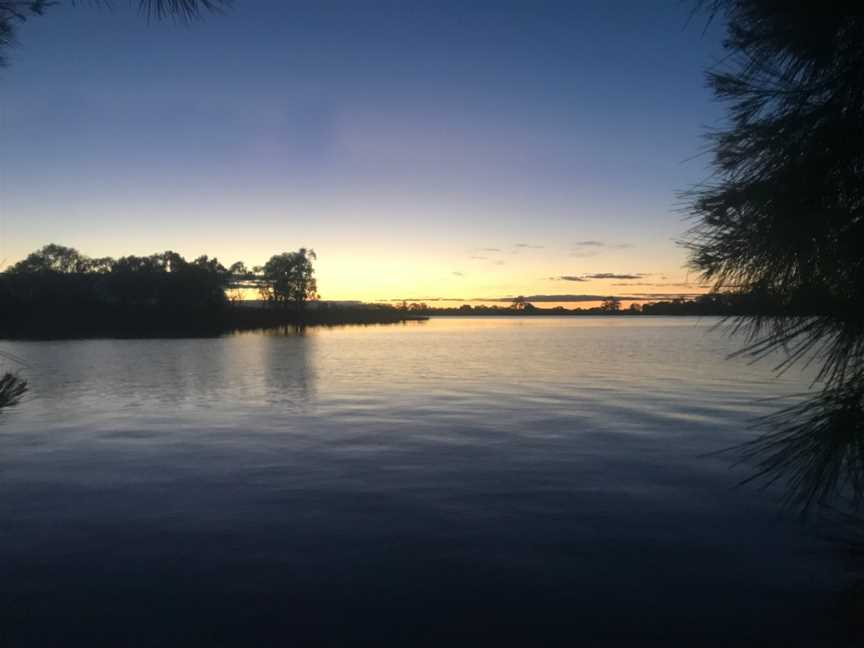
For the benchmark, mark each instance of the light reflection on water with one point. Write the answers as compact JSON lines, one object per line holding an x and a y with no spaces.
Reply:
{"x":455,"y":480}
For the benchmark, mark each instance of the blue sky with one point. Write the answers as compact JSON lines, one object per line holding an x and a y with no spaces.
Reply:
{"x":459,"y":150}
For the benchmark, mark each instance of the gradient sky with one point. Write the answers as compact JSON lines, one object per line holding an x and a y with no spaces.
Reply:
{"x":448,"y":149}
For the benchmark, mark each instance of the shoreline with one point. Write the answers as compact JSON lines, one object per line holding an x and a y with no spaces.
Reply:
{"x":161,"y":323}
{"x":145,"y":327}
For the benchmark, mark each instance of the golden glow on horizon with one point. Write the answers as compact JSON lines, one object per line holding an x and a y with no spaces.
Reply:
{"x":376,"y":268}
{"x":390,"y":280}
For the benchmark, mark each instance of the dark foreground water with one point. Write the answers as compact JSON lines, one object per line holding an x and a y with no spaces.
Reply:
{"x":454,"y":482}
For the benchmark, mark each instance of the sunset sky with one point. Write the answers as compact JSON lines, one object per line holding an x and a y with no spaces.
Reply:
{"x":425,"y":150}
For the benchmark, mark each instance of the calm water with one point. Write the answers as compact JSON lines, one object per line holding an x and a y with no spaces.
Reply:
{"x":460,"y":481}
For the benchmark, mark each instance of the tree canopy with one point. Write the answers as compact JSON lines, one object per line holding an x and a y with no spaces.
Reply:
{"x":62,"y":275}
{"x":612,"y":305}
{"x":59,"y":274}
{"x":783,"y":217}
{"x":59,"y":291}
{"x":288,"y":279}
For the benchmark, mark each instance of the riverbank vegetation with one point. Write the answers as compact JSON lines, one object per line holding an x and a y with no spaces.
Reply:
{"x":57,"y":292}
{"x":726,"y":304}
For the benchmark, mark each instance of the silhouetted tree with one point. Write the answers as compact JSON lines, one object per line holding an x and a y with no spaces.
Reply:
{"x":288,"y":279}
{"x":53,"y":258}
{"x":239,"y":277}
{"x":57,"y":276}
{"x":58,"y":292}
{"x":611,"y":305}
{"x":518,"y":303}
{"x":239,"y":271}
{"x":783,"y":219}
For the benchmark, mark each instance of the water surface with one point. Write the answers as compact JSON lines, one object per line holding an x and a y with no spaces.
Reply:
{"x":458,"y":481}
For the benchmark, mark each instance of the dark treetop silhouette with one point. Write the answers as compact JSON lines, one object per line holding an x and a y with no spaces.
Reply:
{"x":713,"y":304}
{"x":16,"y":11}
{"x":166,"y":295}
{"x":288,"y":279}
{"x":783,"y":217}
{"x":58,"y":292}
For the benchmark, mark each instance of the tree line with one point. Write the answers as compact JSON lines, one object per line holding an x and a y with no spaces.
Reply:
{"x":720,"y":304}
{"x":63,"y":275}
{"x":162,"y":290}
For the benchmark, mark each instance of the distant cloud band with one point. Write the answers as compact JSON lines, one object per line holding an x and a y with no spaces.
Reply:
{"x":598,"y":275}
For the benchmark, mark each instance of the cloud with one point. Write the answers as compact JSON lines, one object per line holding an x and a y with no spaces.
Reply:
{"x":600,"y":275}
{"x":548,"y":298}
{"x":567,"y":298}
{"x":490,"y":249}
{"x":479,"y":258}
{"x":568,"y":278}
{"x":590,"y":298}
{"x":583,"y":249}
{"x":458,"y":274}
{"x":601,"y":244}
{"x":528,"y":246}
{"x":658,"y":285}
{"x":652,"y":296}
{"x":612,"y":275}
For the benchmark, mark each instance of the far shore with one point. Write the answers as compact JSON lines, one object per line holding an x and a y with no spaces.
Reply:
{"x":116,"y":320}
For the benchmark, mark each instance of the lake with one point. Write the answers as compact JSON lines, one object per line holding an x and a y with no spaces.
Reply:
{"x":452,"y":482}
